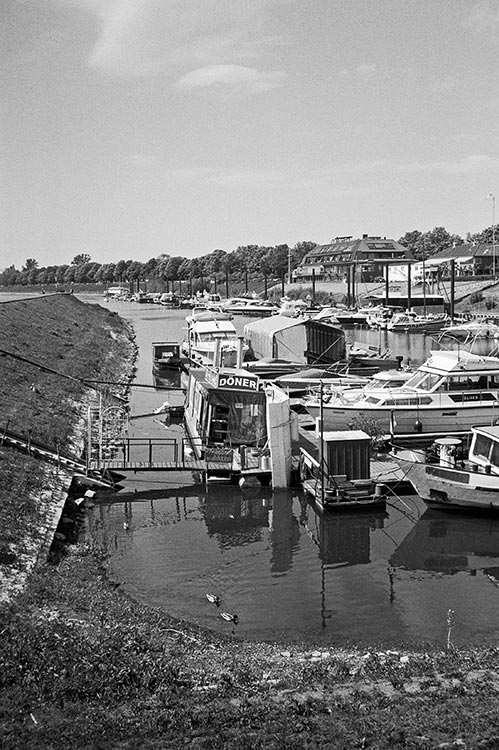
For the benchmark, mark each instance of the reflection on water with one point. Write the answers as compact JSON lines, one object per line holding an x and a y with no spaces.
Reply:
{"x":288,"y":571}
{"x":448,"y":543}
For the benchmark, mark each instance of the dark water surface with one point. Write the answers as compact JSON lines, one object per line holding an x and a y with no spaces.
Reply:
{"x":288,"y":572}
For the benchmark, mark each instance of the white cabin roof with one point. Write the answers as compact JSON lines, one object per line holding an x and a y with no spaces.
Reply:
{"x":491,"y":431}
{"x":206,"y":326}
{"x":452,"y":361}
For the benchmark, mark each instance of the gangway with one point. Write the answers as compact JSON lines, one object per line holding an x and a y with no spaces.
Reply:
{"x":159,"y":454}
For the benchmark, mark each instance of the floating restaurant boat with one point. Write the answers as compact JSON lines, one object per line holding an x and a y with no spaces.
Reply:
{"x":450,"y":393}
{"x":226,"y":421}
{"x":447,"y":481}
{"x":335,"y":470}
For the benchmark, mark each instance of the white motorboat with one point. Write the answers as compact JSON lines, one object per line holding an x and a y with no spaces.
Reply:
{"x":446,"y":480}
{"x":450,"y":393}
{"x":214,"y":342}
{"x":205,"y":313}
{"x":410,"y":322}
{"x":472,"y":330}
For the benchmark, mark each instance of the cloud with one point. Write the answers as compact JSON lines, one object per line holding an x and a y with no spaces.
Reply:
{"x":238,"y":76}
{"x":147,"y":37}
{"x":467,"y":165}
{"x":259,"y":178}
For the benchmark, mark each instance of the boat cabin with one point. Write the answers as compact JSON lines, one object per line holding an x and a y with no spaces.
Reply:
{"x":166,"y":355}
{"x":225,"y":407}
{"x":484,"y":448}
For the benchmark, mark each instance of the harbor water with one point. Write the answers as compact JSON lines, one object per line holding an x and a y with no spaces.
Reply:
{"x":287,"y":571}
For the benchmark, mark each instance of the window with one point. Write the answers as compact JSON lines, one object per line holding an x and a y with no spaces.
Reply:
{"x":482,"y":446}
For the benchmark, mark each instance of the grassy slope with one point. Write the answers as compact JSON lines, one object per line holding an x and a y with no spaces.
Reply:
{"x":83,"y":666}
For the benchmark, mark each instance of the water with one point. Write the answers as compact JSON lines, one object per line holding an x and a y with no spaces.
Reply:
{"x":288,"y":572}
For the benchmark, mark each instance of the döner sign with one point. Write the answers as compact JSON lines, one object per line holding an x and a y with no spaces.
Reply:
{"x":237,"y":382}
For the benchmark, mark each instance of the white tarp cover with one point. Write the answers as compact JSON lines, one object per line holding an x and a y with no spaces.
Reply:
{"x":278,"y":337}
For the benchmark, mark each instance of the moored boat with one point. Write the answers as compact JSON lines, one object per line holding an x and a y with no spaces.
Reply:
{"x":213,"y":343}
{"x":411,"y":322}
{"x":450,"y":393}
{"x":446,"y":480}
{"x":335,"y":471}
{"x":166,"y":355}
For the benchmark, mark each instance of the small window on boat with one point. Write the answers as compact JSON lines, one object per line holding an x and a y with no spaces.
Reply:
{"x":494,"y":456}
{"x":482,"y":446}
{"x":373,"y":400}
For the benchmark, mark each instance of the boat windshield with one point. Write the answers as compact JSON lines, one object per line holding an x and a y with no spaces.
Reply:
{"x":216,"y":335}
{"x":425,"y":381}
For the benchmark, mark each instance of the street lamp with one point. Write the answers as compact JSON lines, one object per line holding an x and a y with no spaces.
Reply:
{"x":493,"y":198}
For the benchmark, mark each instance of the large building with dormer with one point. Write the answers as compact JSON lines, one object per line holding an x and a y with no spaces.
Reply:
{"x":368,"y":255}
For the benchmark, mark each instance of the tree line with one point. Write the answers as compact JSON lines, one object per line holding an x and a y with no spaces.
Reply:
{"x":254,"y":261}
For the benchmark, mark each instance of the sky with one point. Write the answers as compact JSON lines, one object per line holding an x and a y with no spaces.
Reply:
{"x":132,"y":128}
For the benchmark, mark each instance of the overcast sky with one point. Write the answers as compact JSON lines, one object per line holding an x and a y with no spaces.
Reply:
{"x":132,"y":128}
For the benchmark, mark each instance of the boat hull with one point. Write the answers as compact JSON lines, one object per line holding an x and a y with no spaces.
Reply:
{"x":450,"y":487}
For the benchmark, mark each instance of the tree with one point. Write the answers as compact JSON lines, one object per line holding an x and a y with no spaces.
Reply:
{"x":427,"y":244}
{"x":30,"y":265}
{"x":80,"y":259}
{"x":487,"y":236}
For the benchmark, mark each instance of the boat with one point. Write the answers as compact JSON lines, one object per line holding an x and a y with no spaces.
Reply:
{"x":271,"y":368}
{"x":380,"y":316}
{"x":471,"y":330}
{"x":166,"y":355}
{"x":411,"y":322}
{"x":292,"y":308}
{"x":444,"y":479}
{"x":299,"y":383}
{"x":215,"y":312}
{"x":335,"y":471}
{"x":213,"y":342}
{"x":234,"y":304}
{"x":350,"y":318}
{"x":225,"y":419}
{"x":449,"y":393}
{"x":256,"y":308}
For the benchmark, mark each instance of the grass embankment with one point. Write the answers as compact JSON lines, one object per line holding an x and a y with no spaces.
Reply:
{"x":76,"y":341}
{"x":82,"y":666}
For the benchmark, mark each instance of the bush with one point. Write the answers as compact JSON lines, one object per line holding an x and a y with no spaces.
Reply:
{"x":476,"y":297}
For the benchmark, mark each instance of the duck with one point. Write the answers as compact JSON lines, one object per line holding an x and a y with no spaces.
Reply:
{"x":230,"y":617}
{"x":214,"y":599}
{"x":126,"y":526}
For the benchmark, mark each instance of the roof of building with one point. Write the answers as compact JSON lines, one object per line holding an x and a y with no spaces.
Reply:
{"x":469,"y":249}
{"x":350,"y":249}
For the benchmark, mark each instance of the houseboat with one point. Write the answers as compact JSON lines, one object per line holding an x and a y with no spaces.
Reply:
{"x":450,"y":393}
{"x":445,"y":479}
{"x":225,"y":417}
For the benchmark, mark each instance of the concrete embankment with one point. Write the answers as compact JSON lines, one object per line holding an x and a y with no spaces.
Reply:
{"x":48,"y":347}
